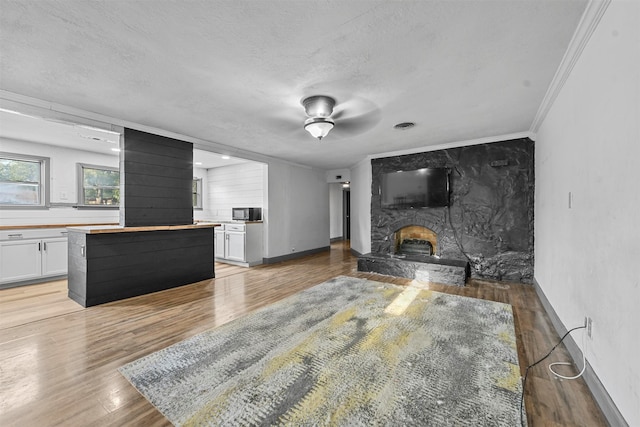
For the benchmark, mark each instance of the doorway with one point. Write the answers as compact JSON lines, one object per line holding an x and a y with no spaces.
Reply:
{"x":346,"y":214}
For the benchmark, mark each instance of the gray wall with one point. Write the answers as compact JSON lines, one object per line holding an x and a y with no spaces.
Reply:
{"x":297,"y":210}
{"x":490,"y":218}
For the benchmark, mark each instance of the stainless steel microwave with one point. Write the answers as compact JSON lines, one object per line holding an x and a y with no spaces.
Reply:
{"x":246,"y":214}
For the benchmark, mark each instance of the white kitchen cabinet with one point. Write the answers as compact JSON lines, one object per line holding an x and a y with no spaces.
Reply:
{"x":235,"y":246}
{"x":20,"y":260}
{"x":54,"y":256}
{"x":32,"y":255}
{"x":239,"y":243}
{"x":218,"y":243}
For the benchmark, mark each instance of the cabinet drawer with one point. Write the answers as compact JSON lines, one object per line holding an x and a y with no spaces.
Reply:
{"x":33,"y":233}
{"x":234,"y":227}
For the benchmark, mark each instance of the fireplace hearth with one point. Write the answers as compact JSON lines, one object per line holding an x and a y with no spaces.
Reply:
{"x":422,"y":268}
{"x":413,"y":253}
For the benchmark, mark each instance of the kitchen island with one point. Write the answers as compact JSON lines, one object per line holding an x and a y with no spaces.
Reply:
{"x":110,"y":263}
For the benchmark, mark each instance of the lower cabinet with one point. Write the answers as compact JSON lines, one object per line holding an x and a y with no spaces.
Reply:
{"x":218,"y":242}
{"x":20,"y":260}
{"x":239,"y":244}
{"x":54,"y":257}
{"x":27,"y":259}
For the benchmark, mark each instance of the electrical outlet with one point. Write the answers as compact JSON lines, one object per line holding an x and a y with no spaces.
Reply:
{"x":589,"y":327}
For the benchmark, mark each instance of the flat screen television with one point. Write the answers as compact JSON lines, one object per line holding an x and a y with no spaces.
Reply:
{"x":421,"y":188}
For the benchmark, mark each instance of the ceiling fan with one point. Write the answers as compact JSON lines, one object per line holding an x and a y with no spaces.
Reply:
{"x":322,"y":116}
{"x":319,"y":108}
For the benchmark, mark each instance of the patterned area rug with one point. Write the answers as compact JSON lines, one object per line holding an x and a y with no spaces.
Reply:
{"x":348,"y":352}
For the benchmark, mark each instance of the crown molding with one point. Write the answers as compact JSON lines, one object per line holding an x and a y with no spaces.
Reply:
{"x":588,"y":23}
{"x":454,"y":144}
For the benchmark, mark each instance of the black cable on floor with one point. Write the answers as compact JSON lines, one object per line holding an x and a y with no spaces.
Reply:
{"x":526,"y":372}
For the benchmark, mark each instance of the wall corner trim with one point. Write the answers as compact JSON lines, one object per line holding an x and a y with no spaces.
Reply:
{"x":600,"y":394}
{"x":588,"y":23}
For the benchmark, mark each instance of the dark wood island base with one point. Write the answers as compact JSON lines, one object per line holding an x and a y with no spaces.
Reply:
{"x":110,"y":263}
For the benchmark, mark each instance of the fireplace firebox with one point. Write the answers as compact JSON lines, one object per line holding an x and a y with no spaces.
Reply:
{"x":415,"y":240}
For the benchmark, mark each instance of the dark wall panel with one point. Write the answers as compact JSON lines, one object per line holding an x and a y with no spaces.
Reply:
{"x":158,"y":176}
{"x":111,"y":267}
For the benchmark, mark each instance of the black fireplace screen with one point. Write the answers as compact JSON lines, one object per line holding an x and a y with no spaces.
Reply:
{"x":415,"y":247}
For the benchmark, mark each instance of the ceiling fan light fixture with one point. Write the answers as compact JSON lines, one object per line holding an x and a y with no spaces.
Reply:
{"x":318,"y":106}
{"x":318,"y":127}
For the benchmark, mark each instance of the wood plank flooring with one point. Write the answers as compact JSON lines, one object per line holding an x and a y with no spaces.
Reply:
{"x":58,"y":362}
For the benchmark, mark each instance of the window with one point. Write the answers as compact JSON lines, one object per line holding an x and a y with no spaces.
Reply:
{"x":99,"y":186}
{"x":197,"y":193}
{"x":23,"y":181}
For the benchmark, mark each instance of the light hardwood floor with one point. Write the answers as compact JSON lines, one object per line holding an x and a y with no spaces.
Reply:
{"x":59,"y":361}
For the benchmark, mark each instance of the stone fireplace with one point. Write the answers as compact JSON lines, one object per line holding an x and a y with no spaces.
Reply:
{"x":489,"y":220}
{"x":415,"y":240}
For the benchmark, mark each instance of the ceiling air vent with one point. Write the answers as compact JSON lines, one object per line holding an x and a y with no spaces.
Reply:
{"x":404,"y":125}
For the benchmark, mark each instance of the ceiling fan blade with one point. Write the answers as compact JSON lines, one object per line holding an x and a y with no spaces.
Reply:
{"x":337,"y":115}
{"x":353,"y":106}
{"x":357,"y":125}
{"x":286,"y":126}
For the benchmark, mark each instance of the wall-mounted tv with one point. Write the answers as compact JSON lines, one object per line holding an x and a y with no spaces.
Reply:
{"x":421,"y":188}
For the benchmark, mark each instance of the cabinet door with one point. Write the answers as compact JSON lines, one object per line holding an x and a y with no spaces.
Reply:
{"x":234,"y":247}
{"x":54,"y":256}
{"x":218,"y":244}
{"x":20,"y":260}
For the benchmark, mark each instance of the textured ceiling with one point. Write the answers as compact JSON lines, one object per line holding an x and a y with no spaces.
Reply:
{"x":234,"y":72}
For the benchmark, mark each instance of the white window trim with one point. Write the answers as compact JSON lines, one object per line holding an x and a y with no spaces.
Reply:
{"x":80,"y":179}
{"x":44,"y":180}
{"x":198,"y":206}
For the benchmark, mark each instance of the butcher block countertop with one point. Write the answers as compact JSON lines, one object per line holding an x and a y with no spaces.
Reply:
{"x":106,"y":229}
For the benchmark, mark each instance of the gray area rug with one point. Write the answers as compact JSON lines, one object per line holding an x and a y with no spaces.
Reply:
{"x":347,"y":352}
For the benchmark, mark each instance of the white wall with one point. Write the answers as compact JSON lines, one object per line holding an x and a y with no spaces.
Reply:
{"x":63,"y":186}
{"x":339,"y":175}
{"x":335,"y":210}
{"x":586,"y":256}
{"x":361,"y":206}
{"x":231,"y":186}
{"x":298,"y":210}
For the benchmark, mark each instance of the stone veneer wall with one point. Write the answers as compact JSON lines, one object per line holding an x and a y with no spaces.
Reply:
{"x":490,"y":218}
